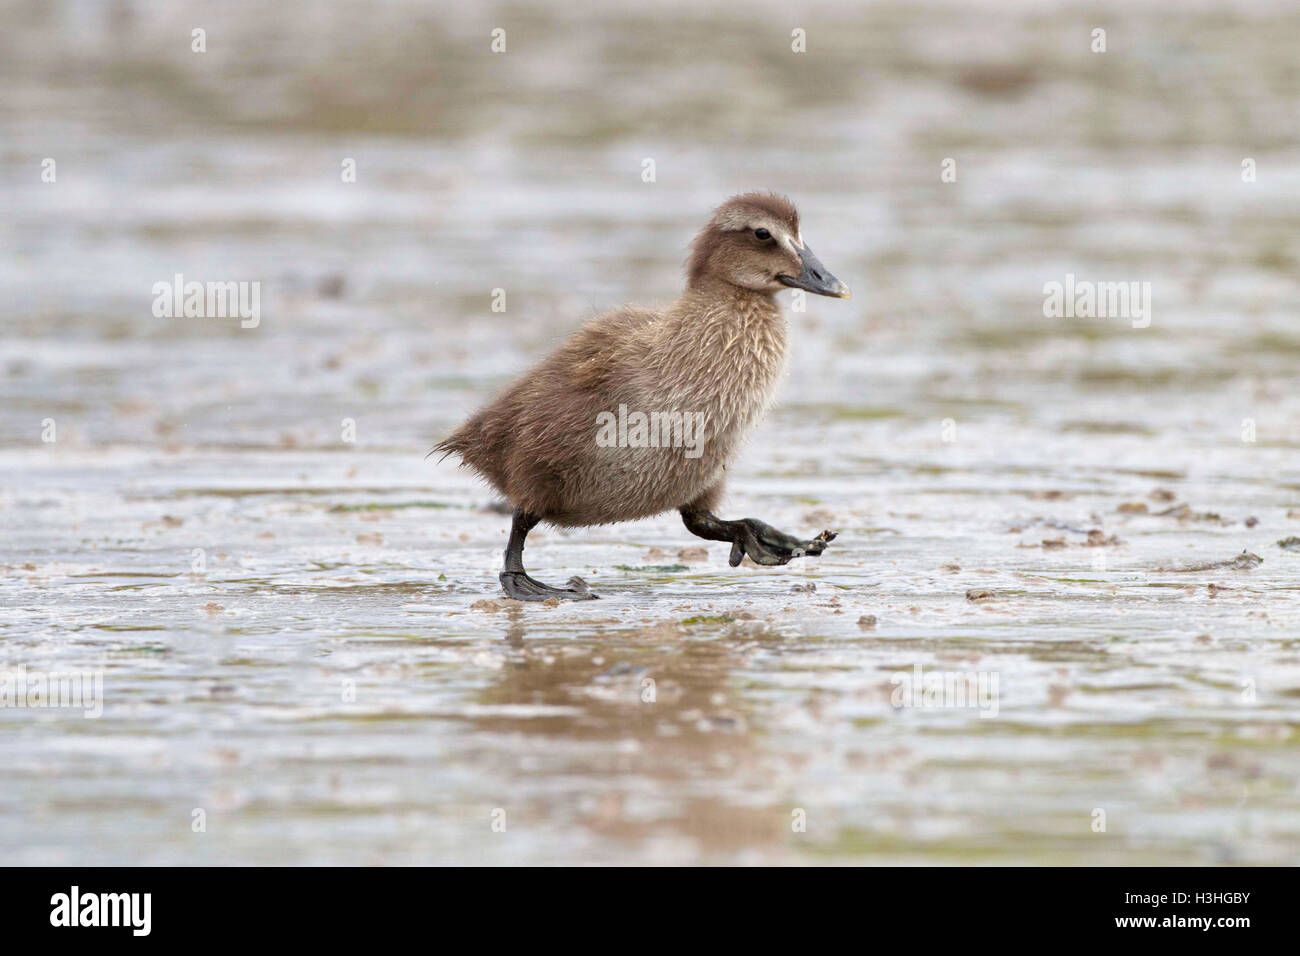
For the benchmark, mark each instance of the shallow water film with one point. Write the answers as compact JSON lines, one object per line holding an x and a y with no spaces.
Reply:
{"x":1061,"y":621}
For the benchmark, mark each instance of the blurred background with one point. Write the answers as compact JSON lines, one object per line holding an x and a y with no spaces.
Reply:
{"x":298,"y":619}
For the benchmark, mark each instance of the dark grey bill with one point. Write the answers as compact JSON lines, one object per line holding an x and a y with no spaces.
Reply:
{"x":815,"y":277}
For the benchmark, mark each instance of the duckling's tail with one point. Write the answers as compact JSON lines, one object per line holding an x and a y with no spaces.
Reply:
{"x":461,"y":442}
{"x":448,"y":446}
{"x":473,"y":443}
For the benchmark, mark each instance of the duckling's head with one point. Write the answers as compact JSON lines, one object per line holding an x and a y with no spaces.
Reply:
{"x":753,"y":242}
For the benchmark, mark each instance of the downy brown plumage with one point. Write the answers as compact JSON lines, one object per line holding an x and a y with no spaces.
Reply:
{"x":716,"y":353}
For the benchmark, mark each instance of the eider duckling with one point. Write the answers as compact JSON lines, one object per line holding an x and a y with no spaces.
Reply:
{"x":640,"y":411}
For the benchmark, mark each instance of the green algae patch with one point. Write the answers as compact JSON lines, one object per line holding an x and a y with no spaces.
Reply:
{"x":393,"y":506}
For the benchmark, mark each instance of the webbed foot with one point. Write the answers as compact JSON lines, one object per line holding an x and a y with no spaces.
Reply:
{"x":766,"y":545}
{"x":518,"y":585}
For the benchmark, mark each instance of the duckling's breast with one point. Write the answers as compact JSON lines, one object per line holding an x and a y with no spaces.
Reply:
{"x":697,"y":395}
{"x":726,"y":365}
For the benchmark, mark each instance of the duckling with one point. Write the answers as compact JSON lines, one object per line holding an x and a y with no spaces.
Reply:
{"x":568,"y":442}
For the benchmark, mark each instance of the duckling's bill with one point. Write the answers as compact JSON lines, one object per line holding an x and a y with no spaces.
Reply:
{"x":816,"y":278}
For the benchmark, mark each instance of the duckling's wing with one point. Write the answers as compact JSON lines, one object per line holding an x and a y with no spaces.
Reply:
{"x":598,"y":352}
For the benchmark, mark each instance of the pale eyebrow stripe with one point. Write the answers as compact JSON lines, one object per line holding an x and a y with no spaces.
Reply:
{"x":735,"y":219}
{"x":742,"y":221}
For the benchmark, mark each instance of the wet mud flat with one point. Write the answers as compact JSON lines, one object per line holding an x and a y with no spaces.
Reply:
{"x":1087,"y":527}
{"x":342,"y":681}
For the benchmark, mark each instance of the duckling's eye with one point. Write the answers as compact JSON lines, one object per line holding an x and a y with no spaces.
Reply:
{"x":762,"y":234}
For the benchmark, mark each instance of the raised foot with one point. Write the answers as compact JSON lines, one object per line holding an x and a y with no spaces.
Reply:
{"x":766,"y":545}
{"x":521,"y":587}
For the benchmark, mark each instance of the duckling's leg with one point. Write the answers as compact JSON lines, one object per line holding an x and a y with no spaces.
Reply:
{"x":749,"y":536}
{"x":515,"y":580}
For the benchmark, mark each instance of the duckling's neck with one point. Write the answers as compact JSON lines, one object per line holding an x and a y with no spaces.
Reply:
{"x":707,"y":292}
{"x":719,"y":316}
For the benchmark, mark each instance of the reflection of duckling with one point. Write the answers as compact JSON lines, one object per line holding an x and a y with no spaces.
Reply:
{"x":710,"y":359}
